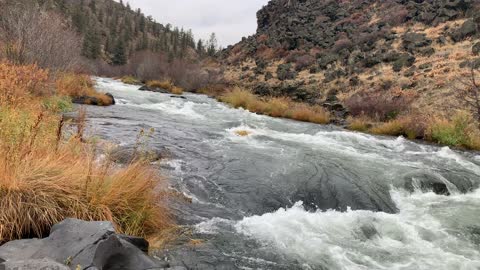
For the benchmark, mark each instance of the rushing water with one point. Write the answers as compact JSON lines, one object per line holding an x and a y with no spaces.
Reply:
{"x":295,"y":195}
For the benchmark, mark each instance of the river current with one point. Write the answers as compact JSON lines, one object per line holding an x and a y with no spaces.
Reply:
{"x":293,"y":195}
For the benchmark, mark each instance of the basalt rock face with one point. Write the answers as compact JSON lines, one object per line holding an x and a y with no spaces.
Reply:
{"x":76,"y":244}
{"x":324,"y":45}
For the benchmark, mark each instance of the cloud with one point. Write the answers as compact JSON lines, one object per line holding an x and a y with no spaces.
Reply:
{"x":230,"y":20}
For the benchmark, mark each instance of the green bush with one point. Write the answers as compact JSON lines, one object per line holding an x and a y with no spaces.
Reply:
{"x":453,"y":133}
{"x":58,"y":104}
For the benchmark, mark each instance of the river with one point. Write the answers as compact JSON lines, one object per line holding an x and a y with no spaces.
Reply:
{"x":295,"y":195}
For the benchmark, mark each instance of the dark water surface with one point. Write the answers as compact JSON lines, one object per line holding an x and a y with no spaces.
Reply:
{"x":295,"y":195}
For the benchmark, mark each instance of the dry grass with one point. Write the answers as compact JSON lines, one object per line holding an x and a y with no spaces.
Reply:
{"x":275,"y":107}
{"x":47,"y":175}
{"x":167,"y":85}
{"x":460,"y":131}
{"x":76,"y":85}
{"x":362,"y":123}
{"x":130,"y":80}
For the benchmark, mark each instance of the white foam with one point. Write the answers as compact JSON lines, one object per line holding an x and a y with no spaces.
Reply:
{"x":448,"y":154}
{"x":415,"y":238}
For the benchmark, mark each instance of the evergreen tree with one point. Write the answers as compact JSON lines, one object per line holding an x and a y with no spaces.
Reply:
{"x":92,"y":43}
{"x":120,"y":53}
{"x":200,"y":47}
{"x":212,"y":45}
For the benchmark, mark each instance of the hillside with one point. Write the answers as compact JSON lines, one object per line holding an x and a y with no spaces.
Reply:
{"x":113,"y":31}
{"x":343,"y":53}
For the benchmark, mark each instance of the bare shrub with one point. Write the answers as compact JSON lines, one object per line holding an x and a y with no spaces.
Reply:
{"x":34,"y":36}
{"x":469,"y":93}
{"x":304,"y":61}
{"x":341,"y":44}
{"x":380,"y":105}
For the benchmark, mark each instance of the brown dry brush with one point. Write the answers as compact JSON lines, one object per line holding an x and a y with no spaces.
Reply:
{"x":469,"y":93}
{"x":33,"y":35}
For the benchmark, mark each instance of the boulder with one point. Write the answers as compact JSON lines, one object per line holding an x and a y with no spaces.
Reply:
{"x":80,"y":244}
{"x":44,"y":264}
{"x":412,"y":41}
{"x":127,"y":154}
{"x":476,"y":48}
{"x":89,"y":100}
{"x":154,"y":89}
{"x":404,"y":60}
{"x":468,"y":28}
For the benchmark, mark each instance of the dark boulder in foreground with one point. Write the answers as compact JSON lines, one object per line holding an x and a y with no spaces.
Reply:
{"x":90,"y":100}
{"x":76,"y":244}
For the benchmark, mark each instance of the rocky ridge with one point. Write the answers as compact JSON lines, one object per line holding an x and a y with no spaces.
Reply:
{"x":320,"y":51}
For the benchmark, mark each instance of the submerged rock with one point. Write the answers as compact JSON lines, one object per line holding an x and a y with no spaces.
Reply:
{"x":154,"y":89}
{"x":78,"y":244}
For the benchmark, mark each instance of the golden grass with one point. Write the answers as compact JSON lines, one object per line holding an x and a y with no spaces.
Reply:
{"x":361,"y":124}
{"x":76,"y":85}
{"x":460,"y":131}
{"x":167,"y":85}
{"x":130,"y":80}
{"x":275,"y":107}
{"x":47,"y":175}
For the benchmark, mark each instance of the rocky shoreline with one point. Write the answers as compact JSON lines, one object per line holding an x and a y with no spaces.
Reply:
{"x":77,"y":244}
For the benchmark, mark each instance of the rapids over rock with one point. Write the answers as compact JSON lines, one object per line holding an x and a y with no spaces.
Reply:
{"x":293,"y":195}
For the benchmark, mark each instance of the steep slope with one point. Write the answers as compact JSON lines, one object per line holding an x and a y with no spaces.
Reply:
{"x":323,"y":50}
{"x":113,"y":31}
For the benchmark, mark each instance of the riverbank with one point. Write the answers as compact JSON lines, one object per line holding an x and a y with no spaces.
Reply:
{"x":51,"y":170}
{"x":459,"y":131}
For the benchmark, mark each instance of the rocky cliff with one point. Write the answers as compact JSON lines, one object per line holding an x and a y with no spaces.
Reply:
{"x":318,"y":50}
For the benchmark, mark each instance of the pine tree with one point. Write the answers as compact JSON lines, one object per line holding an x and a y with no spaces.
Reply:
{"x":120,"y":53}
{"x":92,"y":43}
{"x":212,"y":45}
{"x":200,"y":47}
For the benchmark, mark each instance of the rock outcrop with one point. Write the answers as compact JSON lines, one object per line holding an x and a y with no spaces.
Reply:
{"x":323,"y":45}
{"x":76,"y":244}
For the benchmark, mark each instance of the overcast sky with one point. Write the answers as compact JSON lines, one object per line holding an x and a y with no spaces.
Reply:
{"x":229,"y":19}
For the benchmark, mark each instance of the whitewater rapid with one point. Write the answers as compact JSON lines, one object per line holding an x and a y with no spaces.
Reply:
{"x":294,"y":195}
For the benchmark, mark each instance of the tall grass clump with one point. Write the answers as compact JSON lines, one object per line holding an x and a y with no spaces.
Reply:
{"x":275,"y":106}
{"x":167,"y":85}
{"x":130,"y":80}
{"x":78,"y":85}
{"x":460,"y":132}
{"x":48,"y":174}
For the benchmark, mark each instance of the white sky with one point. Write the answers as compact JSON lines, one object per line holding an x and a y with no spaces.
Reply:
{"x":229,"y":19}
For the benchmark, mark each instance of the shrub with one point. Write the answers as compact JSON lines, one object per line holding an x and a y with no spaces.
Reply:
{"x":277,"y":107}
{"x":33,"y":35}
{"x":284,"y":72}
{"x":342,"y":44}
{"x":45,"y":178}
{"x":77,"y":85}
{"x":19,"y":84}
{"x":303,"y":62}
{"x":58,"y":104}
{"x":453,"y":132}
{"x":361,"y":123}
{"x":239,"y":98}
{"x":380,"y":105}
